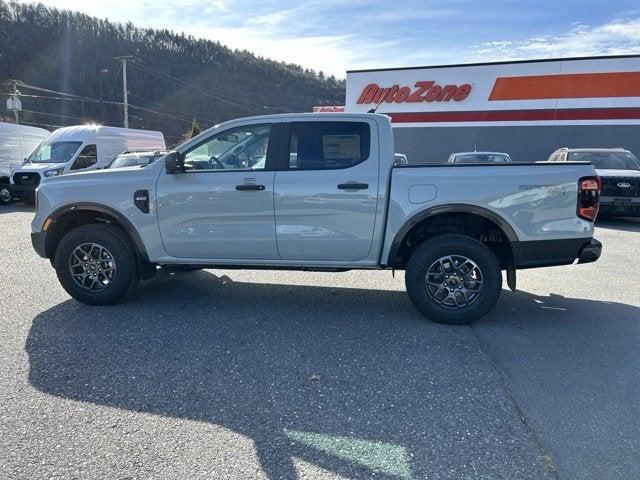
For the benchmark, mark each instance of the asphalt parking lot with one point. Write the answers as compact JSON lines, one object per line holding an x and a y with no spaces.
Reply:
{"x":238,"y":374}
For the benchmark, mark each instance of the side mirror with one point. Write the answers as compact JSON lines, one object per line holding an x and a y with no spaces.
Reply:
{"x":173,"y":163}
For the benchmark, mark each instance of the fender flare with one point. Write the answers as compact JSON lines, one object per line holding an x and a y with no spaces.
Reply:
{"x":454,"y":208}
{"x":110,"y":212}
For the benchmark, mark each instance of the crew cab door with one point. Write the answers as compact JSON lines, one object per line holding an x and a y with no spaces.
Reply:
{"x":221,"y":206}
{"x":326,"y":189}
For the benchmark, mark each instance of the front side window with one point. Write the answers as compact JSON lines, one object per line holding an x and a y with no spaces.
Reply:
{"x":86,"y":158}
{"x":328,"y":145}
{"x":54,"y":152}
{"x":240,"y":148}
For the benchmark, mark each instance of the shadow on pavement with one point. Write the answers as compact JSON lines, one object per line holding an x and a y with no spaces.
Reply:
{"x":619,"y":223}
{"x":16,"y":207}
{"x":351,"y":380}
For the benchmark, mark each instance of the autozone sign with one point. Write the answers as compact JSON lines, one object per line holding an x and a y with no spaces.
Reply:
{"x":422,"y":91}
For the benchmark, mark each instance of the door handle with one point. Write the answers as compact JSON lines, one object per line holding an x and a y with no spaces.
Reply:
{"x":353,"y":186}
{"x":245,"y":187}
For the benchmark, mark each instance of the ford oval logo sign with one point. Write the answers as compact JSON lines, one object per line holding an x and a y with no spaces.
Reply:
{"x":624,"y":185}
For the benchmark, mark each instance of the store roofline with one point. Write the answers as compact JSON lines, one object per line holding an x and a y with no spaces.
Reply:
{"x":510,"y":62}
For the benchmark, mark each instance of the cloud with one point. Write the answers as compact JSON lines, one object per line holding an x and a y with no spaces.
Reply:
{"x":613,"y":38}
{"x":335,"y":36}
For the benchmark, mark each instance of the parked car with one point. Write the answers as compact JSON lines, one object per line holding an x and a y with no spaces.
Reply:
{"x":136,"y":158}
{"x":400,"y":159}
{"x":619,"y":172}
{"x":78,"y":148}
{"x":328,"y":198}
{"x":479,"y":157}
{"x":16,"y":143}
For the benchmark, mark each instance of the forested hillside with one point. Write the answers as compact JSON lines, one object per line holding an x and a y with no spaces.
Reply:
{"x":172,"y":78}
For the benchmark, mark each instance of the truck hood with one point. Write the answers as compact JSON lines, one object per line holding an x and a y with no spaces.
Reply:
{"x":38,"y":167}
{"x":617,"y":173}
{"x":98,"y":177}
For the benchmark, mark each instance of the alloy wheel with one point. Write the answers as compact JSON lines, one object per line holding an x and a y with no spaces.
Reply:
{"x":454,"y":281}
{"x":92,"y":267}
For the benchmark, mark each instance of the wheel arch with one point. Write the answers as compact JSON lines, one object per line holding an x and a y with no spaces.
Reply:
{"x":70,"y":216}
{"x":424,"y":217}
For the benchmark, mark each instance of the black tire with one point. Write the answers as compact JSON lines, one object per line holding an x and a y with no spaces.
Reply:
{"x":5,"y":194}
{"x":428,"y":254}
{"x":118,"y":245}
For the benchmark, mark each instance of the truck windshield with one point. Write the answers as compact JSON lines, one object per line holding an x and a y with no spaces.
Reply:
{"x":135,"y":159}
{"x":607,"y":160}
{"x":54,"y":152}
{"x":482,"y":158}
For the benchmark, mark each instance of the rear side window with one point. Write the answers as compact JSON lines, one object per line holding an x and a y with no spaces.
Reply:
{"x":86,"y":158}
{"x":328,"y":145}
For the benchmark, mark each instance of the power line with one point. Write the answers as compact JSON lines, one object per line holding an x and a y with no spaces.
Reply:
{"x":148,"y":69}
{"x":72,"y":98}
{"x":53,"y":114}
{"x":205,"y":116}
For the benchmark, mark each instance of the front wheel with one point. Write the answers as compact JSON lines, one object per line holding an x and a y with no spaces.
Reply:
{"x":453,"y":279}
{"x":5,"y":194}
{"x":97,"y":264}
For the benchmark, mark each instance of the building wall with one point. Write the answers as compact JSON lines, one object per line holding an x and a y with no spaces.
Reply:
{"x":523,"y":143}
{"x":527,"y":109}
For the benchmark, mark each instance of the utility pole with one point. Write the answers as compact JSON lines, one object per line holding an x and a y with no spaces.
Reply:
{"x":102,"y":72}
{"x":124,"y":59}
{"x":15,"y":103}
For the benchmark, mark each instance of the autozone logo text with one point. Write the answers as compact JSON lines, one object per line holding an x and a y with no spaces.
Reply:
{"x":425,"y":91}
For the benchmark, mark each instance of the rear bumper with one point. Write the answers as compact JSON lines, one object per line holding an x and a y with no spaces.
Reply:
{"x":590,"y":252}
{"x":549,"y":253}
{"x":39,"y":241}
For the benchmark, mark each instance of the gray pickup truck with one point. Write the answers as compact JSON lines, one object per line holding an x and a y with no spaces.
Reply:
{"x":318,"y":193}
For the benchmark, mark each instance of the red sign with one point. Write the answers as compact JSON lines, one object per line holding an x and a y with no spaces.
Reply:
{"x":424,"y":91}
{"x":329,"y":109}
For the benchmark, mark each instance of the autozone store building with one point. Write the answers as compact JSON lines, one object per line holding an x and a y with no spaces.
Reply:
{"x":525,"y":108}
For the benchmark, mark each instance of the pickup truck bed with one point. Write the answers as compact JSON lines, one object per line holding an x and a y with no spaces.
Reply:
{"x":532,"y":203}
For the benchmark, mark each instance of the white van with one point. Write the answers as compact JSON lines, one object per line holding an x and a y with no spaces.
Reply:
{"x":16,"y":143}
{"x":79,"y":148}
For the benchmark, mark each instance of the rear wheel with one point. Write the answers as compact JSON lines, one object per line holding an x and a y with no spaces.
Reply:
{"x":97,"y":264}
{"x":453,"y":279}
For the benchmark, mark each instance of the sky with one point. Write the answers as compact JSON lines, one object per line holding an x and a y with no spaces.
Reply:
{"x":336,"y":36}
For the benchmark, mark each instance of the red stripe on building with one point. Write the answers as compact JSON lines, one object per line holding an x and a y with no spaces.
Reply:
{"x":572,"y":85}
{"x":518,"y":115}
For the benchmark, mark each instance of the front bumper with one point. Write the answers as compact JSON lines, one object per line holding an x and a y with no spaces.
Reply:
{"x":590,"y":252}
{"x":39,"y":242}
{"x":619,"y":206}
{"x":22,"y":191}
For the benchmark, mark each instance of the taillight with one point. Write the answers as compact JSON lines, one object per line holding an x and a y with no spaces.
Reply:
{"x":588,"y":197}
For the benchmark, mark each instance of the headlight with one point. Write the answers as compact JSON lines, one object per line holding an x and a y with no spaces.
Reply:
{"x":53,"y":173}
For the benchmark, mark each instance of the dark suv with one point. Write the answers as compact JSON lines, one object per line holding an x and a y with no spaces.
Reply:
{"x":619,"y":171}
